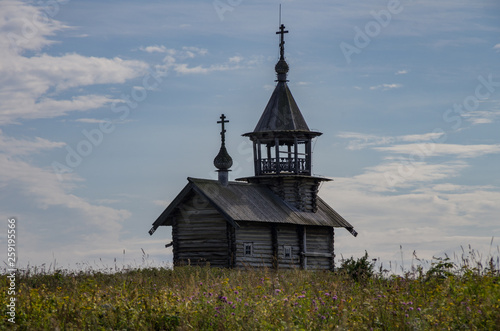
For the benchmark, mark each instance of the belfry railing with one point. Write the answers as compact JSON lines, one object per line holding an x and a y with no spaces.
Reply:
{"x":284,"y":165}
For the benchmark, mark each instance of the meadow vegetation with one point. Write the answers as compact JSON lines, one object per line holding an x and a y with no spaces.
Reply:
{"x":355,"y":297}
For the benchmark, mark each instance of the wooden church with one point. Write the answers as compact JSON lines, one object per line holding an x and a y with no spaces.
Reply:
{"x":274,"y":219}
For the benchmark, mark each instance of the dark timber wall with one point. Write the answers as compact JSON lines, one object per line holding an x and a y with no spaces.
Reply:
{"x":200,"y":234}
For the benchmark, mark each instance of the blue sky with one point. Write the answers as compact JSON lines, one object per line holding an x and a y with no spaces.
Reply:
{"x":107,"y":107}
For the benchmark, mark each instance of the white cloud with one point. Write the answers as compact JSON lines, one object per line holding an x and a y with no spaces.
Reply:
{"x":16,"y":147}
{"x":25,"y":27}
{"x":434,"y":149}
{"x":401,"y":72}
{"x":362,"y":140}
{"x":485,"y":116}
{"x":31,"y":86}
{"x":161,"y":203}
{"x":430,"y":219}
{"x":236,"y":59}
{"x":497,"y":47}
{"x":385,"y":87}
{"x":153,"y":49}
{"x":173,"y":62}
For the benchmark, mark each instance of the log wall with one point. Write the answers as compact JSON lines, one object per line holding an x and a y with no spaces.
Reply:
{"x":319,"y":248}
{"x":259,"y":234}
{"x":288,"y":236}
{"x":200,"y":235}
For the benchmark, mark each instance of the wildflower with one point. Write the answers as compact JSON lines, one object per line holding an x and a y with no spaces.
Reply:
{"x":277,"y":290}
{"x":236,"y":292}
{"x":419,"y":309}
{"x":327,"y":294}
{"x":232,"y":314}
{"x":246,"y":304}
{"x":230,"y":303}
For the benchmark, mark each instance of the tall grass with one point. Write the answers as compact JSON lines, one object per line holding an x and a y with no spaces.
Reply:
{"x":446,"y":296}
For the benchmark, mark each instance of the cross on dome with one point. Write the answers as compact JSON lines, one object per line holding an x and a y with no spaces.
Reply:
{"x":223,"y":131}
{"x":282,"y":41}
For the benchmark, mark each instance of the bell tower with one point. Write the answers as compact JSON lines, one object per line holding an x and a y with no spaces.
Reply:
{"x":282,"y":144}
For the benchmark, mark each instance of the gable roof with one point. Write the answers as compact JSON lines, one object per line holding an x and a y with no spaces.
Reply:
{"x":240,"y":201}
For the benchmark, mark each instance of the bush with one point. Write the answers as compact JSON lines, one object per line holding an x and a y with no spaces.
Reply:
{"x":359,"y":269}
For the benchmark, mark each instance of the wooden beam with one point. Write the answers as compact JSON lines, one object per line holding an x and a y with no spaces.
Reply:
{"x":305,"y":247}
{"x":277,"y":154}
{"x":300,"y":235}
{"x":274,"y":240}
{"x":296,"y":152}
{"x":256,"y":159}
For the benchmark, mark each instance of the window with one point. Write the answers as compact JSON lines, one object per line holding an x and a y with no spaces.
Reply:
{"x":287,"y":252}
{"x":248,"y":249}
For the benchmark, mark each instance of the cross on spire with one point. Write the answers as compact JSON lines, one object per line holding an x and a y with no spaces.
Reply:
{"x":223,"y":131}
{"x":282,"y":41}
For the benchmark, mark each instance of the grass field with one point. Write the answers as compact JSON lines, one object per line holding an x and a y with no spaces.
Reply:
{"x":445,"y":297}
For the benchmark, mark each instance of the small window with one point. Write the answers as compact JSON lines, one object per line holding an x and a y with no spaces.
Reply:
{"x":248,"y":249}
{"x":287,"y":252}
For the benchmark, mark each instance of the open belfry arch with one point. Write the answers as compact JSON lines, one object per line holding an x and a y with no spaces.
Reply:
{"x":273,"y":219}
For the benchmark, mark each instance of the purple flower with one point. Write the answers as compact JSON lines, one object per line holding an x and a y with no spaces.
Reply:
{"x":419,"y":309}
{"x":277,"y":290}
{"x":236,"y":292}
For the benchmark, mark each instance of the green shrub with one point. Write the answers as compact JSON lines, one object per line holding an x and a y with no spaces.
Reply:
{"x":359,"y":269}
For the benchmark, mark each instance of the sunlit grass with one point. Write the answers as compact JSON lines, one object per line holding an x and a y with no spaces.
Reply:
{"x":446,"y":296}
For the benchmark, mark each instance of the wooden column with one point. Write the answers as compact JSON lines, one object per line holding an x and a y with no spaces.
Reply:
{"x":231,"y":245}
{"x":175,"y":239}
{"x":277,"y":154}
{"x":300,"y":235}
{"x":331,"y":247}
{"x":308,"y":157}
{"x":274,"y":239}
{"x":296,"y":152}
{"x":305,"y":246}
{"x":256,"y":158}
{"x":269,"y":157}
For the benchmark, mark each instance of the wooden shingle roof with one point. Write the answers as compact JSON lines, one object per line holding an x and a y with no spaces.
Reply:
{"x":240,"y":201}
